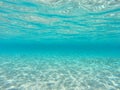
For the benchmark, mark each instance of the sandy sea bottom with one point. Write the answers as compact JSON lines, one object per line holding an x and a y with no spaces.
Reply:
{"x":59,"y":72}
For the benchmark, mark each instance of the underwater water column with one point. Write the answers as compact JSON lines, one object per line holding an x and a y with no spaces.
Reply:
{"x":59,"y":44}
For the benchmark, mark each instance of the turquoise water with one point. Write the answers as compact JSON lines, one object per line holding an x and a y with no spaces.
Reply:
{"x":59,"y":44}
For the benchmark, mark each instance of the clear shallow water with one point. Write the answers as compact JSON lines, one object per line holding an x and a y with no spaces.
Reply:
{"x":59,"y":45}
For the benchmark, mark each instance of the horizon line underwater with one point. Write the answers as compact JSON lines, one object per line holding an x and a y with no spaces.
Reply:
{"x":59,"y":44}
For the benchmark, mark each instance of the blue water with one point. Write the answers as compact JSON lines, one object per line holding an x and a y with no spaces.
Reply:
{"x":59,"y":44}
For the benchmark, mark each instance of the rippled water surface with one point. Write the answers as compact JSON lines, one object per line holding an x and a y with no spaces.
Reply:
{"x":80,"y":20}
{"x":59,"y":44}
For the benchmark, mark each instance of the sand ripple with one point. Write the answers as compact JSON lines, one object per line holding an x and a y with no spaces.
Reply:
{"x":59,"y":73}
